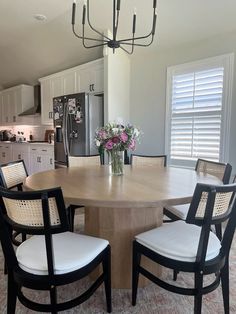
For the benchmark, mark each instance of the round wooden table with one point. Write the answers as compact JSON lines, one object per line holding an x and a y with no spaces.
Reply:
{"x":119,"y":207}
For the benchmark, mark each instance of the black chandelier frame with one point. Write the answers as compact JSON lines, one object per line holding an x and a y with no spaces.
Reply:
{"x":113,"y":42}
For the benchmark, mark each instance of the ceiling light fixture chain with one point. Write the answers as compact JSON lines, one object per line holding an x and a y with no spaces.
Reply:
{"x":113,"y":42}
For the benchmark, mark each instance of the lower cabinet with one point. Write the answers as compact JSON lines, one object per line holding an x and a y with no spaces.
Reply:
{"x":41,"y":158}
{"x":21,"y":151}
{"x":5,"y":153}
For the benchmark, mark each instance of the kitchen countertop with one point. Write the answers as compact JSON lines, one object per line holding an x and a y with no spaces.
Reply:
{"x":26,"y":142}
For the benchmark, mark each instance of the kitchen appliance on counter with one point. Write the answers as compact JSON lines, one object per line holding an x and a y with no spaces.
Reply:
{"x":76,"y":118}
{"x":6,"y":135}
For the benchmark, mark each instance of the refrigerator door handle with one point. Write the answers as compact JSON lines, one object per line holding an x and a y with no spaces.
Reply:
{"x":64,"y":130}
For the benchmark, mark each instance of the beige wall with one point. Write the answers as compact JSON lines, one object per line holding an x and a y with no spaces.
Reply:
{"x":148,"y":89}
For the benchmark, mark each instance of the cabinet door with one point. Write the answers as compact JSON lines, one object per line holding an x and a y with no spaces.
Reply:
{"x":46,"y":102}
{"x":18,"y":154}
{"x":12,"y":111}
{"x":84,"y":81}
{"x":1,"y":113}
{"x":56,"y":86}
{"x":18,"y":105}
{"x":47,"y":162}
{"x":90,"y":79}
{"x":97,"y":78}
{"x":5,"y":107}
{"x":69,"y":83}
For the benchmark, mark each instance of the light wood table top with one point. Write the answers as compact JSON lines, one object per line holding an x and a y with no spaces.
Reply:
{"x":139,"y":186}
{"x":119,"y":207}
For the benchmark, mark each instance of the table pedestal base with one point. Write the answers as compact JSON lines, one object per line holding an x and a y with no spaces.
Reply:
{"x":119,"y":226}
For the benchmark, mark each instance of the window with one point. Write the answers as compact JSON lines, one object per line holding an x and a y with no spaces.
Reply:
{"x":199,"y":96}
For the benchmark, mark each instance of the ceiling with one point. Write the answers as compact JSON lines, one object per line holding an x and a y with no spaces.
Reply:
{"x":30,"y":49}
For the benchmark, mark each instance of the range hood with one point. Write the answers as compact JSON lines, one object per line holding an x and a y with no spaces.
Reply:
{"x":36,"y":109}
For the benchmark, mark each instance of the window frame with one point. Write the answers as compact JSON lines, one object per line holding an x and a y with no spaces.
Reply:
{"x":226,"y":61}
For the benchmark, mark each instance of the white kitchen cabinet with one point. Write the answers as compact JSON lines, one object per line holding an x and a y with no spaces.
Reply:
{"x":91,"y":77}
{"x":88,"y":78}
{"x":15,"y":100}
{"x":41,"y":158}
{"x":46,"y":102}
{"x":21,"y":151}
{"x":69,"y":82}
{"x":5,"y":153}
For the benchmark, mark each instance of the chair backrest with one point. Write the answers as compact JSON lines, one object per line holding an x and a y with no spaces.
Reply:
{"x":218,"y":169}
{"x":81,"y":161}
{"x":142,"y":160}
{"x":213,"y":205}
{"x":38,"y":212}
{"x":13,"y":174}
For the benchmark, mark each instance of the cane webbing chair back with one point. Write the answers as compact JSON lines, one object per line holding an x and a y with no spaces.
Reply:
{"x":30,"y":212}
{"x":221,"y":205}
{"x":217,"y":169}
{"x":142,"y":160}
{"x":35,"y":210}
{"x":81,"y":161}
{"x":218,"y":198}
{"x":13,"y":174}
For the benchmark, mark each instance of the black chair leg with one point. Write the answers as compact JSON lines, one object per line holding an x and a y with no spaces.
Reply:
{"x":53,"y":298}
{"x":198,"y":297}
{"x":135,"y":273}
{"x":106,"y":264}
{"x":11,"y":295}
{"x":175,"y":274}
{"x":218,"y":231}
{"x":23,"y":236}
{"x":225,"y":286}
{"x":71,"y":217}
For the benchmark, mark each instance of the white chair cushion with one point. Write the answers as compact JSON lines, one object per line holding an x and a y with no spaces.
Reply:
{"x":179,"y":241}
{"x":180,"y":211}
{"x":72,"y":251}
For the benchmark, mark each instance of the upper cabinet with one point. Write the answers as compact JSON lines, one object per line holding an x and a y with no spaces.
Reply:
{"x":14,"y":101}
{"x":91,"y":78}
{"x":86,"y":78}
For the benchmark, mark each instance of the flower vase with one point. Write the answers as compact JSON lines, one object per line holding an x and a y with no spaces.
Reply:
{"x":116,"y":162}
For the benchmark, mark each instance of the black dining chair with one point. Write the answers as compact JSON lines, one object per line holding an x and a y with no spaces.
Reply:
{"x":53,"y":256}
{"x":220,"y":170}
{"x":190,"y":246}
{"x":12,"y":176}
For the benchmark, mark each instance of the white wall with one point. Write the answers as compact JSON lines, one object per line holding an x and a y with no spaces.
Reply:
{"x":148,"y":89}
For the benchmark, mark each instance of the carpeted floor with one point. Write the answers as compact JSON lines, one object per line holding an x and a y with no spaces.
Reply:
{"x":151,"y":299}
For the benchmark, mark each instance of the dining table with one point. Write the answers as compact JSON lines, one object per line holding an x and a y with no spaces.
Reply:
{"x":119,"y":207}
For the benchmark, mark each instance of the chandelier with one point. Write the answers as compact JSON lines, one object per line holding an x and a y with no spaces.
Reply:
{"x":113,"y":42}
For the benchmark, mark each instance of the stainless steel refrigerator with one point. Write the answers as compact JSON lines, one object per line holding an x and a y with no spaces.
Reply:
{"x":76,"y":118}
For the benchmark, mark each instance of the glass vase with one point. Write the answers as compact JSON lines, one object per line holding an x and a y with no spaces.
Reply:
{"x":116,"y":162}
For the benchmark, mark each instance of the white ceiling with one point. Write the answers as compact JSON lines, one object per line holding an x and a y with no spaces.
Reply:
{"x":30,"y":49}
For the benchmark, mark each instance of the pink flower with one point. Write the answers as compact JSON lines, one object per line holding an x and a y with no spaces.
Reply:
{"x":109,"y":145}
{"x":115,"y":140}
{"x":102,"y":134}
{"x":124,"y":137}
{"x":132,"y":144}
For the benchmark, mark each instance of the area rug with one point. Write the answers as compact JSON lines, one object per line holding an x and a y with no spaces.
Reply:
{"x":151,"y":299}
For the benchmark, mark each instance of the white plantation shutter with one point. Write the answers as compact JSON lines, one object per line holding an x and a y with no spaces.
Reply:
{"x":196,"y":113}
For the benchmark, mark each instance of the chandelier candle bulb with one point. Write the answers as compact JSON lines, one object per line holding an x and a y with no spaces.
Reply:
{"x":84,"y":14}
{"x":134,"y":23}
{"x":73,"y":12}
{"x":118,"y":5}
